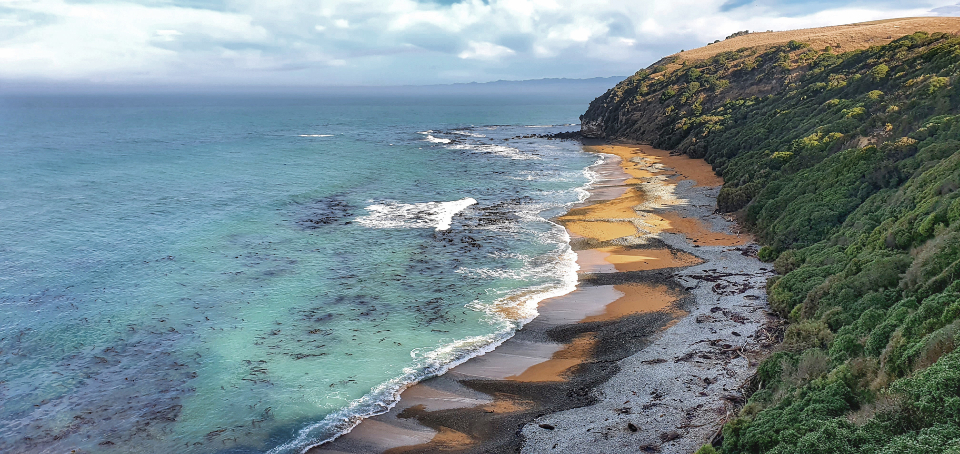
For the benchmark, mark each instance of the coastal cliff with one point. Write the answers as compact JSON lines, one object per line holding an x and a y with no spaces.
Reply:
{"x":839,"y":151}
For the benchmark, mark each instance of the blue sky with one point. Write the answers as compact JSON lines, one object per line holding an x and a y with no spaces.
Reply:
{"x":379,"y":42}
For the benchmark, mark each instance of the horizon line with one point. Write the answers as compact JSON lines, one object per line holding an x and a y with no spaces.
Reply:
{"x":37,"y":87}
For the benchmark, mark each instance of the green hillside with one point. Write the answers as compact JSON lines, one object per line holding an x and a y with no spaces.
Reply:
{"x":845,"y":166}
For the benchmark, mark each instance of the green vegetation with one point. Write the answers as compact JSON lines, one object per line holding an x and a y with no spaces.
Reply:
{"x":846,"y":168}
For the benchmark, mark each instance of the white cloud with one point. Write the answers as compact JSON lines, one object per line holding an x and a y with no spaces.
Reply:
{"x":168,"y":35}
{"x":379,"y":41}
{"x":113,"y":41}
{"x":485,"y":51}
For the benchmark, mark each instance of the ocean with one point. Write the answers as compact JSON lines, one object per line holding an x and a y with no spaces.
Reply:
{"x":214,"y":273}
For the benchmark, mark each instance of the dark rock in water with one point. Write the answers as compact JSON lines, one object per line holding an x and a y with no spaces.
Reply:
{"x":565,"y":135}
{"x":331,"y":210}
{"x":501,"y":213}
{"x":433,"y":311}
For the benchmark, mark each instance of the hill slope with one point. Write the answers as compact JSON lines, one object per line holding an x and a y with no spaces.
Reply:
{"x":844,"y":38}
{"x":846,"y":166}
{"x":640,"y":104}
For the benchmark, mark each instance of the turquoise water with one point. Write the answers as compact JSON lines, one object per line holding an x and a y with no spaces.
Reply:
{"x":251,"y":274}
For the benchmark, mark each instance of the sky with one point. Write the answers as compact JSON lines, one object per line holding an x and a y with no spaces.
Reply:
{"x":297,"y":43}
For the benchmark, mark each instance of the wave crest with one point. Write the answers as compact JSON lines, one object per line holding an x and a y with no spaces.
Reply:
{"x":438,"y":215}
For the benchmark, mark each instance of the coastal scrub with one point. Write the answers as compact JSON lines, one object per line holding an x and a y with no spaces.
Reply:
{"x":845,"y":167}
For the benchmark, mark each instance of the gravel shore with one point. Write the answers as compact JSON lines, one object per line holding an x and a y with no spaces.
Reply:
{"x":649,"y":354}
{"x":672,"y":396}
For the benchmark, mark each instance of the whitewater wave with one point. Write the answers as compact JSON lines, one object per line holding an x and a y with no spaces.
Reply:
{"x":394,"y":215}
{"x":500,"y":150}
{"x":467,"y":133}
{"x":385,"y":396}
{"x":316,"y":135}
{"x":509,"y":310}
{"x":430,"y":138}
{"x":512,"y":311}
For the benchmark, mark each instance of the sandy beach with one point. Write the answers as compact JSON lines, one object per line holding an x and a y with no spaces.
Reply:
{"x":648,"y":353}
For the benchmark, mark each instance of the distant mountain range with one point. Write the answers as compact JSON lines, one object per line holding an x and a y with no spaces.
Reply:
{"x":552,"y":82}
{"x":592,"y":87}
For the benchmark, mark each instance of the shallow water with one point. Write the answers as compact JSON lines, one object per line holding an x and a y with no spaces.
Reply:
{"x":207,"y":274}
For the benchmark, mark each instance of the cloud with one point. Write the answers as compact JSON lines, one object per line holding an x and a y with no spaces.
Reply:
{"x":168,"y":35}
{"x":485,"y":51}
{"x":114,"y":41}
{"x":384,"y":41}
{"x":952,"y":10}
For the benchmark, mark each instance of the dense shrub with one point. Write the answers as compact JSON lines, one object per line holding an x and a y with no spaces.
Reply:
{"x":847,"y":171}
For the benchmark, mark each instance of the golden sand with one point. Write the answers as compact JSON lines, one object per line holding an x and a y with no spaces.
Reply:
{"x":637,"y":298}
{"x":576,"y":352}
{"x":618,"y":208}
{"x":604,"y":221}
{"x":628,"y":259}
{"x":446,"y":439}
{"x":697,"y":231}
{"x":682,"y":166}
{"x":506,"y":403}
{"x":601,"y":230}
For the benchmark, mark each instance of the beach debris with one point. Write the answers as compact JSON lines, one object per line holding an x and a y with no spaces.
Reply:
{"x":669,"y":436}
{"x":547,"y":426}
{"x":632,"y":427}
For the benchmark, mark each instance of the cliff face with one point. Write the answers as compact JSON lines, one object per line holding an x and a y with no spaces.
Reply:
{"x":644,"y":105}
{"x":846,"y":166}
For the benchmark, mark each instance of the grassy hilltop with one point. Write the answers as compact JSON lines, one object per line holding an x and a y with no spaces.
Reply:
{"x":845,"y":165}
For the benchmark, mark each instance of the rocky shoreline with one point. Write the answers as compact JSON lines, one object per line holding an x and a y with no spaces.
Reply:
{"x":648,"y":354}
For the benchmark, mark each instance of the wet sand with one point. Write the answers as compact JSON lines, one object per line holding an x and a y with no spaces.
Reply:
{"x":634,"y":235}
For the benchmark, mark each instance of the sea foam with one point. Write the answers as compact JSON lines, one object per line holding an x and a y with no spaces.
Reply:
{"x":468,"y":133}
{"x":500,"y":150}
{"x":433,"y":139}
{"x":430,"y":138}
{"x":510,"y":309}
{"x":438,"y":215}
